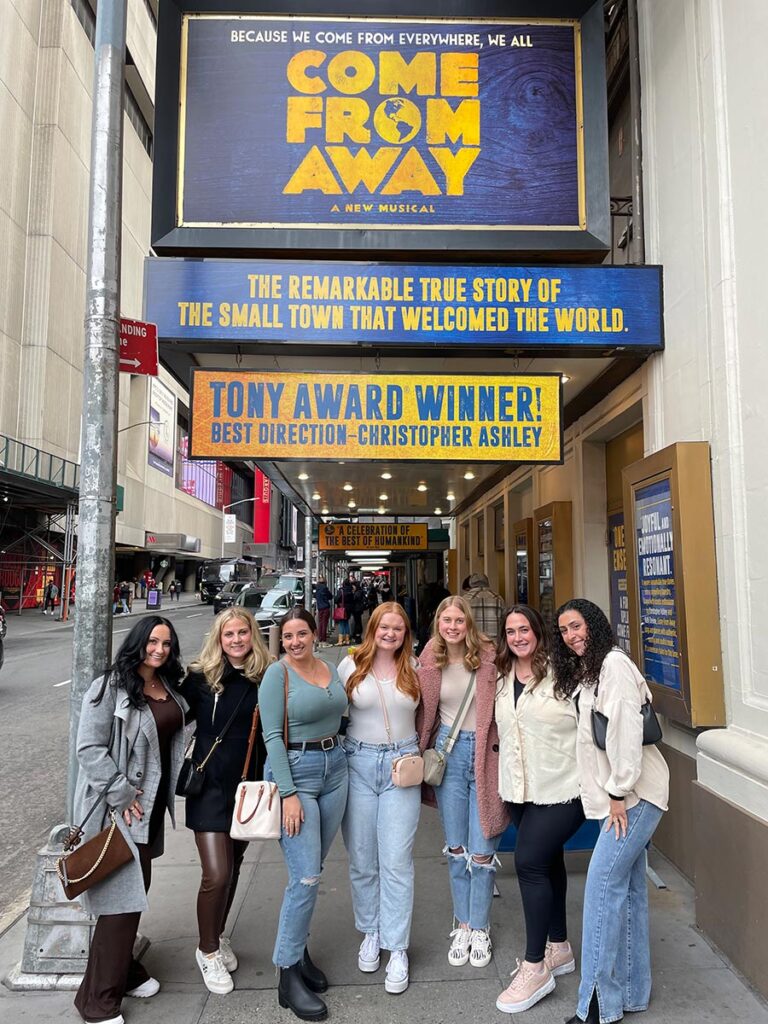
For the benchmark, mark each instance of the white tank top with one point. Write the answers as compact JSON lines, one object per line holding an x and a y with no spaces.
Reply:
{"x":366,"y":718}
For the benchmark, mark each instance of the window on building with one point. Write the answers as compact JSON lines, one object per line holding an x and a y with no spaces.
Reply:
{"x":86,"y":17}
{"x":137,"y":119}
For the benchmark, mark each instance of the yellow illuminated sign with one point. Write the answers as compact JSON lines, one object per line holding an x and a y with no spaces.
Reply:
{"x":448,"y":417}
{"x":372,"y":537}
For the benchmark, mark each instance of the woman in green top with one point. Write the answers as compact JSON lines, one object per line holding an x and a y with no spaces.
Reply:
{"x":311,"y":774}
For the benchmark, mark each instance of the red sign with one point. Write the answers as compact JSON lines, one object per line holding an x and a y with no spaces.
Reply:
{"x":261,"y":516}
{"x":138,"y":347}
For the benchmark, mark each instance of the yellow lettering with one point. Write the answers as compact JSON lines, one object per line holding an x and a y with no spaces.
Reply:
{"x":312,"y":174}
{"x":411,"y":175}
{"x":461,"y":124}
{"x":296,"y":71}
{"x":396,"y":74}
{"x":346,"y":118}
{"x":459,"y":74}
{"x":351,"y":72}
{"x":302,"y":112}
{"x":455,"y":167}
{"x":362,"y":167}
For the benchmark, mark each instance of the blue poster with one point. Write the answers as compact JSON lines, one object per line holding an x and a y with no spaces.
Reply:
{"x":345,"y":303}
{"x":362,"y":122}
{"x":657,"y":590}
{"x":617,"y":574}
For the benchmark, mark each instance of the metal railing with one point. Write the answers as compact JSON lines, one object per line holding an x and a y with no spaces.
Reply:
{"x":28,"y":461}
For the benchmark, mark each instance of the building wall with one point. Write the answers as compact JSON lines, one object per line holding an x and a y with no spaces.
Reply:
{"x":46,"y":72}
{"x":705,"y":145}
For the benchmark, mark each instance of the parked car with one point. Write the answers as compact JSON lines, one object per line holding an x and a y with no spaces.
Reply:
{"x":275,"y":604}
{"x":293,"y":583}
{"x":227,"y":595}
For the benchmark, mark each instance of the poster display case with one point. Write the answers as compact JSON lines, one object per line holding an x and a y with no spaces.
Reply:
{"x":554,"y":558}
{"x":672,"y":582}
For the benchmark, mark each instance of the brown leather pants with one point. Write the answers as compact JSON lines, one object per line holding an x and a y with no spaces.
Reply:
{"x":220,"y":857}
{"x":111,"y":970}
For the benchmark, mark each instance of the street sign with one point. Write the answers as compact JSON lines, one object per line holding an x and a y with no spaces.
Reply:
{"x":138,"y":347}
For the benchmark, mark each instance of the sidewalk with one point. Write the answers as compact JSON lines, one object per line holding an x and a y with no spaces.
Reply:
{"x":32,"y":622}
{"x":692,"y":984}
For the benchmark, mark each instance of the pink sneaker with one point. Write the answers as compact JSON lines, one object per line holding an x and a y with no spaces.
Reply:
{"x":529,"y":984}
{"x":559,"y":958}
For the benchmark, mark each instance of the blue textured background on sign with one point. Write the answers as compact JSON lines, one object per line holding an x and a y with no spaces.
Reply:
{"x":352,"y":302}
{"x":239,"y":157}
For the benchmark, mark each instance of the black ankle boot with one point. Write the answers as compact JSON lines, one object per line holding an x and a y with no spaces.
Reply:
{"x":293,"y":994}
{"x":313,"y":977}
{"x":593,"y":1014}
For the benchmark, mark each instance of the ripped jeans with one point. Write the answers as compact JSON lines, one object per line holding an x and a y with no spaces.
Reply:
{"x":471,"y":881}
{"x":321,"y":781}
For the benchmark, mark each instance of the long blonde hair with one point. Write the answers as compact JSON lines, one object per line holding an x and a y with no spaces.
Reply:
{"x":475,"y":640}
{"x":406,"y":679}
{"x":212,"y":661}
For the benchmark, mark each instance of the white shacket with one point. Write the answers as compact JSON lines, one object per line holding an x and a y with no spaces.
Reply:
{"x":537,"y":743}
{"x":625,"y":768}
{"x":366,"y":718}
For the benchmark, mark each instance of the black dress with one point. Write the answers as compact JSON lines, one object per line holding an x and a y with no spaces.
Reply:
{"x":212,"y":810}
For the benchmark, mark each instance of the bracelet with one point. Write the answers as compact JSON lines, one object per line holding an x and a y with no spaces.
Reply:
{"x":616,"y":797}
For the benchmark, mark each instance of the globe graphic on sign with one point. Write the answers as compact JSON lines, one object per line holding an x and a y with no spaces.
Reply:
{"x":397,"y":120}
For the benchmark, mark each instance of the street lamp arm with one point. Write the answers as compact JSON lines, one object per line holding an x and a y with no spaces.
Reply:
{"x":232,"y":504}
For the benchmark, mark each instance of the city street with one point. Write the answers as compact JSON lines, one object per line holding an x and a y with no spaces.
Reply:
{"x":34,"y":712}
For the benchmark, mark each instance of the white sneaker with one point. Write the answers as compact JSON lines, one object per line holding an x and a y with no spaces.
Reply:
{"x":397,"y":972}
{"x":369,"y":958}
{"x":215,"y":974}
{"x":148,"y":988}
{"x":480,"y":956}
{"x":228,"y":957}
{"x":458,"y":954}
{"x":119,"y":1019}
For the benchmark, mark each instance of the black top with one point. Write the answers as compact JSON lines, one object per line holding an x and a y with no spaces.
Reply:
{"x":518,"y":690}
{"x":212,"y":810}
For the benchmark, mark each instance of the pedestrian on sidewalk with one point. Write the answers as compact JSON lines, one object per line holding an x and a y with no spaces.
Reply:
{"x":539,"y":778}
{"x":625,"y":787}
{"x":311,"y":775}
{"x":381,"y":818}
{"x":125,"y":595}
{"x":324,"y":600}
{"x":131,"y":738}
{"x":49,"y":597}
{"x":343,"y":611}
{"x":487,"y":606}
{"x":457,"y":676}
{"x":221,"y":689}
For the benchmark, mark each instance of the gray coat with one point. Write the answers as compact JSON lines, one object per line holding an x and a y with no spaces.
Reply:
{"x":115,"y":737}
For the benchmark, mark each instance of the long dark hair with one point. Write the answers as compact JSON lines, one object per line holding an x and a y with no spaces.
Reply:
{"x":505,"y":659}
{"x":569,"y":669}
{"x":123,"y":673}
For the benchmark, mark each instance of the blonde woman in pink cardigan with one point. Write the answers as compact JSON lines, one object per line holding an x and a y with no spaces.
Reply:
{"x":472,"y":812}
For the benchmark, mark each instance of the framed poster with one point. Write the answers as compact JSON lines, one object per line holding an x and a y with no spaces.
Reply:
{"x":554,"y":558}
{"x":522,"y":532}
{"x":672,"y":582}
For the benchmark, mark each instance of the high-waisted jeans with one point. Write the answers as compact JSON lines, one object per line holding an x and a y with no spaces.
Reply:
{"x":471,"y":880}
{"x":321,"y":782}
{"x":379,"y":831}
{"x":615,"y":946}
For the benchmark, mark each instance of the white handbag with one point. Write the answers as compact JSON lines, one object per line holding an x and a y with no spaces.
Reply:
{"x":258,"y":810}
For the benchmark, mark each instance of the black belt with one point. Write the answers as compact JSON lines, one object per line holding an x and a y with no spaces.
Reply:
{"x":325,"y":744}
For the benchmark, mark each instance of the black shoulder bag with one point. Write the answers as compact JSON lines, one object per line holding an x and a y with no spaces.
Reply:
{"x":651,"y":727}
{"x":191,"y":778}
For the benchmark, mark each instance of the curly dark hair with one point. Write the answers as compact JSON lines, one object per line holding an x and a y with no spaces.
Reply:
{"x":123,"y":673}
{"x":505,"y":658}
{"x":568,"y":668}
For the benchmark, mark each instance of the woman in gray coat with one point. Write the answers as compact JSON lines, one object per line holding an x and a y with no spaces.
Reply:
{"x":131,"y":738}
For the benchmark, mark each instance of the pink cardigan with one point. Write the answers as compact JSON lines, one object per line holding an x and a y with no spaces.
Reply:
{"x":494,"y":814}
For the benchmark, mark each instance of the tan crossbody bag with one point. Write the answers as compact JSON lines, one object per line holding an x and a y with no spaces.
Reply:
{"x":407,"y":770}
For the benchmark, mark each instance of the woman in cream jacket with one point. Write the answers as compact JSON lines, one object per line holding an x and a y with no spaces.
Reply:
{"x":539,"y":778}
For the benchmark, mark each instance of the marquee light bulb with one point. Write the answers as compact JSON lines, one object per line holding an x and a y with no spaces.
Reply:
{"x":348,"y":487}
{"x":303,"y":476}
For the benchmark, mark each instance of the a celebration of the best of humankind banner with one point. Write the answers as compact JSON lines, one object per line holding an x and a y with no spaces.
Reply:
{"x":444,"y":417}
{"x":361,"y":122}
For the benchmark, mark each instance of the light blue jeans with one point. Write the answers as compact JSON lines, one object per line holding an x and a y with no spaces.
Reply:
{"x":379,"y":830}
{"x":615,"y":947}
{"x":471,"y":882}
{"x":321,"y":780}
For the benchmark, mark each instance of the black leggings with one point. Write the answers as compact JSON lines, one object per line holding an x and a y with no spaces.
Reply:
{"x":542,"y":830}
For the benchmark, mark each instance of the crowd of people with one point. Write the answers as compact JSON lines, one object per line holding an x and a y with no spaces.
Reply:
{"x":503,"y":712}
